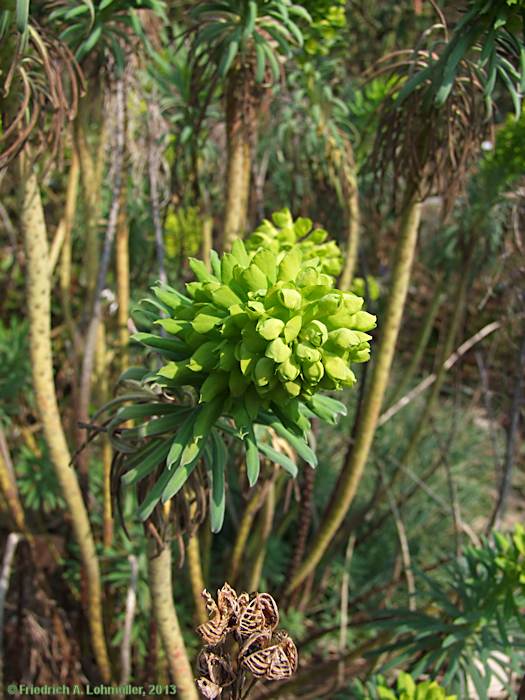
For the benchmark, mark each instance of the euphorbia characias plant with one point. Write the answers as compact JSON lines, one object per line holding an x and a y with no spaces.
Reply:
{"x":256,"y":341}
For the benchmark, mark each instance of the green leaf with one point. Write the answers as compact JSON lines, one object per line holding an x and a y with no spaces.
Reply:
{"x":150,"y":460}
{"x":272,"y":61}
{"x":297,"y":443}
{"x":171,"y":297}
{"x":22,"y":15}
{"x":251,"y":16}
{"x":292,"y":328}
{"x":455,"y":55}
{"x":214,"y":385}
{"x":279,"y":458}
{"x":135,"y":374}
{"x":178,"y":478}
{"x":228,"y":57}
{"x":215,"y":263}
{"x":260,"y":63}
{"x":172,"y":345}
{"x":158,"y":426}
{"x":278,"y":351}
{"x":216,"y":474}
{"x":204,"y":323}
{"x":153,"y":496}
{"x":180,"y":440}
{"x":252,"y":456}
{"x":200,"y":271}
{"x":290,"y":265}
{"x":90,"y":43}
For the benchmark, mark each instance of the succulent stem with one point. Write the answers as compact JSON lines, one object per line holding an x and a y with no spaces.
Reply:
{"x":352,"y":471}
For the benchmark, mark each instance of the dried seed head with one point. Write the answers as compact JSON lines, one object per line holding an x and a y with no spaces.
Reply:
{"x":260,"y":615}
{"x":224,"y":614}
{"x":262,"y":650}
{"x":274,"y":661}
{"x":428,"y":148}
{"x":40,"y":94}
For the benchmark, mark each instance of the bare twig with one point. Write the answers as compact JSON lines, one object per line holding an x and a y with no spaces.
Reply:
{"x":345,"y":583}
{"x":428,"y":381}
{"x":487,"y":400}
{"x":131,"y":603}
{"x":512,"y":433}
{"x":403,"y":544}
{"x":5,"y":574}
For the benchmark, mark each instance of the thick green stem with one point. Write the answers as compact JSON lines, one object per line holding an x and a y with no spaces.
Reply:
{"x":352,"y":471}
{"x":39,"y":310}
{"x":161,"y":589}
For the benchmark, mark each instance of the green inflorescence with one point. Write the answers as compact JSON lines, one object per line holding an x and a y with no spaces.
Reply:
{"x":262,"y":330}
{"x":283,"y":233}
{"x":258,"y":339}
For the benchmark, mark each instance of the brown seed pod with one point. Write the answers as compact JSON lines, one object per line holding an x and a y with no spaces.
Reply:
{"x":215,"y":668}
{"x":274,"y":662}
{"x":224,"y":615}
{"x":260,"y":614}
{"x":209,"y":689}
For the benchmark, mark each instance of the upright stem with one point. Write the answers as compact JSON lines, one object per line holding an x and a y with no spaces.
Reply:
{"x":131,"y":604}
{"x":243,"y":532}
{"x":68,"y":218}
{"x":354,"y":465}
{"x":90,"y":192}
{"x":238,"y":166}
{"x":304,"y":522}
{"x":39,"y":310}
{"x":122,"y":274}
{"x":67,"y":248}
{"x":196,"y":577}
{"x":167,"y":621}
{"x":353,"y":223}
{"x":266,"y":518}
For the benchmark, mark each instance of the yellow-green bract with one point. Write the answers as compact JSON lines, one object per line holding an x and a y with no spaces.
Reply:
{"x":261,"y":330}
{"x":283,"y":233}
